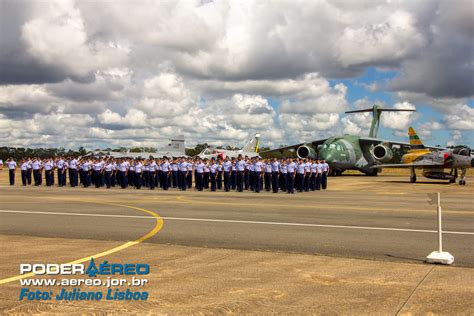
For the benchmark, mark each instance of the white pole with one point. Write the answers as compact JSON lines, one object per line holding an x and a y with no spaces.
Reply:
{"x":440,"y":256}
{"x":440,"y":228}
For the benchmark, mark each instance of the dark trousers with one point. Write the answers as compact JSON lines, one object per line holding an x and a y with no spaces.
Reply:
{"x":258,"y":181}
{"x":291,"y":182}
{"x":175,"y":179}
{"x":182,"y":180}
{"x":324,"y":180}
{"x":146,"y":179}
{"x":24,"y":180}
{"x":11,"y":174}
{"x":268,"y":178}
{"x":252,"y":180}
{"x":233,"y":180}
{"x":49,"y":177}
{"x":240,"y":181}
{"x":306,"y":182}
{"x":113,"y":178}
{"x":123,"y":179}
{"x":283,"y":182}
{"x":138,"y":180}
{"x":37,"y":177}
{"x":164,"y":180}
{"x":275,"y":182}
{"x":199,"y":178}
{"x":205,"y":180}
{"x":226,"y":181}
{"x":81,"y":176}
{"x":300,"y":179}
{"x":219,"y":180}
{"x":28,"y":175}
{"x":86,"y":178}
{"x":60,"y":177}
{"x":312,"y":182}
{"x":97,"y":178}
{"x":246,"y":179}
{"x":318,"y":182}
{"x":108,"y":178}
{"x":73,"y":180}
{"x":212,"y":177}
{"x":152,"y":179}
{"x":189,"y":179}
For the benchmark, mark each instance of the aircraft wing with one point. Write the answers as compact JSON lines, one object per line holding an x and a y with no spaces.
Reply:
{"x":410,"y":165}
{"x":375,"y":141}
{"x":314,"y":143}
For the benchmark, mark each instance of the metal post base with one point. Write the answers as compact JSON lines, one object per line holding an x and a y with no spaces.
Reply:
{"x":440,"y":257}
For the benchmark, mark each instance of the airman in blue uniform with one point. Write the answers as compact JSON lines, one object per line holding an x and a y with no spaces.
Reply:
{"x":275,"y":166}
{"x":11,"y":164}
{"x":291,"y":168}
{"x":227,"y":168}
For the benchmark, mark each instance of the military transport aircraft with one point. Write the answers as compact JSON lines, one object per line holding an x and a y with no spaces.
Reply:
{"x":175,"y":148}
{"x":433,"y":163}
{"x":250,"y":150}
{"x":351,"y":151}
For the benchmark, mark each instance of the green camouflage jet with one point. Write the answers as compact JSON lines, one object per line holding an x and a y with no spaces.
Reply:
{"x":351,"y":152}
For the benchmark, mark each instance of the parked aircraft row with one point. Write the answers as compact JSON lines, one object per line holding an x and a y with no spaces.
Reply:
{"x":348,"y":152}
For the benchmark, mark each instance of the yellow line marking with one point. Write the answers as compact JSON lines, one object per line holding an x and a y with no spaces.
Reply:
{"x":151,"y":233}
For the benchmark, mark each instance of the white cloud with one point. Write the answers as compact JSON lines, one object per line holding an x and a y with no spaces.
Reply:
{"x":221,"y":71}
{"x":399,"y":120}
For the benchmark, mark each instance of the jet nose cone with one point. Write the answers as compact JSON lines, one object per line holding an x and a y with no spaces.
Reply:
{"x":325,"y":155}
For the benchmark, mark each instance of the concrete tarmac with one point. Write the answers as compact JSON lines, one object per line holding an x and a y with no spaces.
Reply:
{"x":382,"y":219}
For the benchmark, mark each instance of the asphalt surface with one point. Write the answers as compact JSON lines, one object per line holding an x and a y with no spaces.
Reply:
{"x":378,"y":216}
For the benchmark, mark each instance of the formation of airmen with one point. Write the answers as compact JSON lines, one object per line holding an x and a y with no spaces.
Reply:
{"x":238,"y":174}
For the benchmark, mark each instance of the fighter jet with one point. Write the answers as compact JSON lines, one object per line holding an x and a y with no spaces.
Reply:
{"x":175,"y":148}
{"x":351,"y":151}
{"x":434,"y":163}
{"x":250,"y":150}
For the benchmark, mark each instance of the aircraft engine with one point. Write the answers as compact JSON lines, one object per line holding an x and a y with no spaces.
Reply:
{"x":305,"y":151}
{"x":462,"y":150}
{"x":382,"y":153}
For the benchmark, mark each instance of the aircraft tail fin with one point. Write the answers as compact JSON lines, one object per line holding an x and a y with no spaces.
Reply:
{"x":414,"y":139}
{"x":252,"y":145}
{"x":376,"y":113}
{"x":176,"y":144}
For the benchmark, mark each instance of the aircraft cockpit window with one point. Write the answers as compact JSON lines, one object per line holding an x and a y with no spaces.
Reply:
{"x":339,"y":147}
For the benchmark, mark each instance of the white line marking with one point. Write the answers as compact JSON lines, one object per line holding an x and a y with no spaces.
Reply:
{"x":241,"y":222}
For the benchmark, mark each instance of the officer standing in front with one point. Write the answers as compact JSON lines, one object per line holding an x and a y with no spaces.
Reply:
{"x":227,"y":166}
{"x":36,"y":165}
{"x":240,"y":165}
{"x":199,"y":169}
{"x":24,"y":171}
{"x":48,"y":172}
{"x":291,"y":168}
{"x":11,"y":170}
{"x":275,"y":174}
{"x":324,"y":177}
{"x":29,"y":171}
{"x":165,"y":171}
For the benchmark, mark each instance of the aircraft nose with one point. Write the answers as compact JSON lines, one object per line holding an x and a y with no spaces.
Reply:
{"x":325,"y":155}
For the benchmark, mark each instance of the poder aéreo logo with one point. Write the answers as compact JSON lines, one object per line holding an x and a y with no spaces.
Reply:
{"x":92,"y":270}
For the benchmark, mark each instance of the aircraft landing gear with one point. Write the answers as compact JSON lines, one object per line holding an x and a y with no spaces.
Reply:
{"x":412,"y":175}
{"x":336,"y":172}
{"x":454,"y":174}
{"x":462,"y":181}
